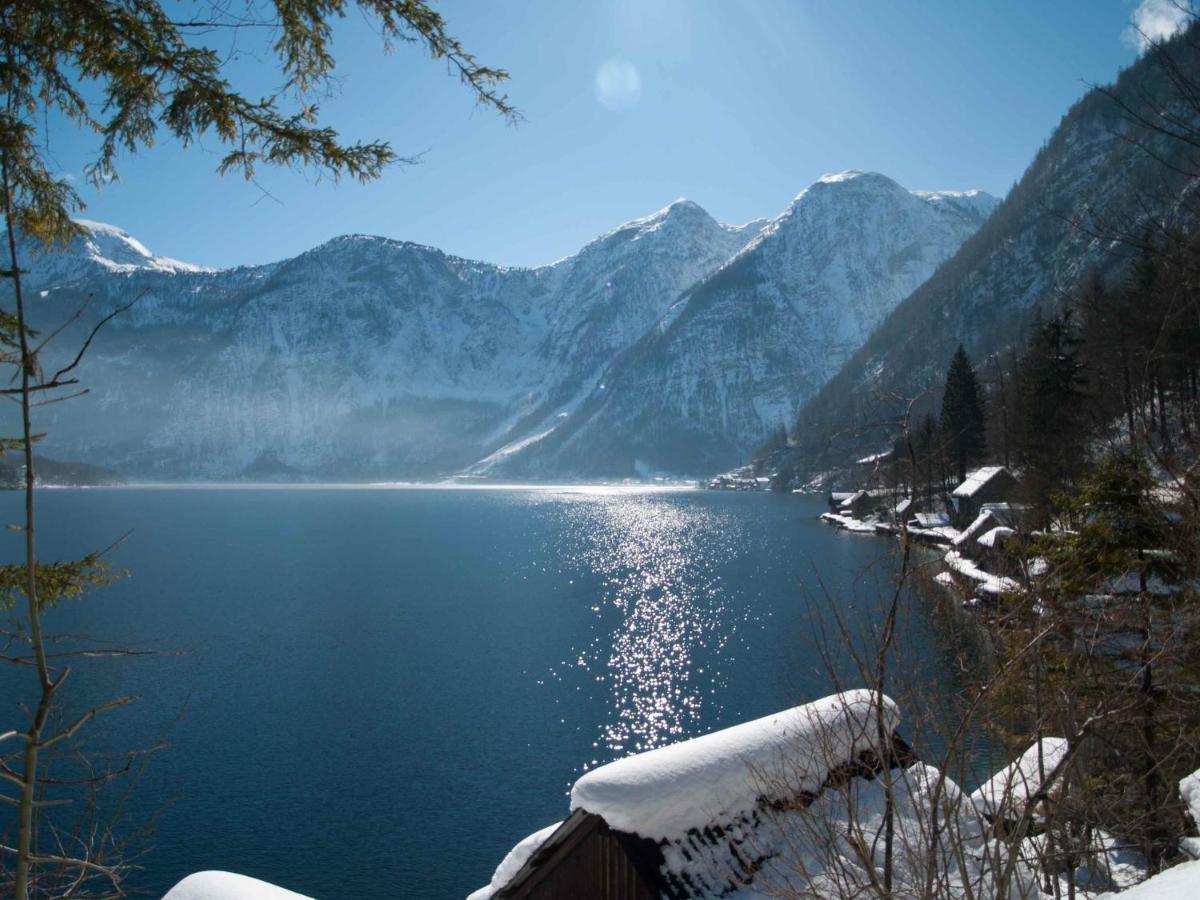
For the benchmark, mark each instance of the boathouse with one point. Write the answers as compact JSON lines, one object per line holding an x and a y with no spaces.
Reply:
{"x":701,"y":818}
{"x":991,"y":484}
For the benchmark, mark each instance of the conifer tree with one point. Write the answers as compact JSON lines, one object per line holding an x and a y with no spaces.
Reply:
{"x":1055,"y":418}
{"x":962,"y":414}
{"x":1120,"y":599}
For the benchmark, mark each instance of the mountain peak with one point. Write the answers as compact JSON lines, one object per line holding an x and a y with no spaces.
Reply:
{"x":833,"y":185}
{"x":678,"y":211}
{"x":857,"y":176}
{"x":838,"y":177}
{"x":679,"y":208}
{"x":117,"y":250}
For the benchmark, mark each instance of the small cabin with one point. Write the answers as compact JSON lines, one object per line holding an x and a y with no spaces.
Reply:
{"x":991,"y":484}
{"x":837,"y":498}
{"x":929,"y":521}
{"x":700,"y":818}
{"x":858,"y":505}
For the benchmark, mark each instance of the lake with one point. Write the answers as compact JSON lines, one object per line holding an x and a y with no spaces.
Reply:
{"x":382,"y":690}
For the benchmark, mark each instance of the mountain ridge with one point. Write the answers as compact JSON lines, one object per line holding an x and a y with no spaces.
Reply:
{"x":364,"y":356}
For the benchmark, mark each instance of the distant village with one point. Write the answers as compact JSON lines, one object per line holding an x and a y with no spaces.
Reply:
{"x":980,"y":522}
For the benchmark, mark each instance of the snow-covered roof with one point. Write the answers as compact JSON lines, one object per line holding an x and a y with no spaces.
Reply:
{"x":993,"y":537}
{"x":932,"y":519}
{"x":903,"y":506}
{"x":854,"y":498}
{"x":662,"y":793}
{"x":1010,"y":514}
{"x":874,"y":458}
{"x":977,"y":479}
{"x":704,"y":821}
{"x":228,"y":886}
{"x":982,"y":522}
{"x":1007,"y":792}
{"x":512,"y":863}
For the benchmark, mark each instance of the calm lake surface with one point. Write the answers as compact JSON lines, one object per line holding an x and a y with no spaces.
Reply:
{"x":383,"y":690}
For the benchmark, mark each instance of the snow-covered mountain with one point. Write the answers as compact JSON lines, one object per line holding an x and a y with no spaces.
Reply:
{"x":739,"y":352}
{"x":373,"y":358}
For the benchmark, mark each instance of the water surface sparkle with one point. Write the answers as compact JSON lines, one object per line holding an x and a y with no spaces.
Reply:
{"x":664,"y":617}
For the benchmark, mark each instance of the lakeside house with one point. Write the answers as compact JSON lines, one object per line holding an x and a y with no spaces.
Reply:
{"x":987,"y":485}
{"x":837,"y":498}
{"x":702,"y":818}
{"x":930,"y":520}
{"x":858,"y":505}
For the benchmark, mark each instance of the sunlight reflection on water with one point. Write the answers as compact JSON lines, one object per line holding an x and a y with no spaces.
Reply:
{"x":664,"y":618}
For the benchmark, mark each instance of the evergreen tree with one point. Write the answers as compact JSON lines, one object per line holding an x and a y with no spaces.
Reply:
{"x":1055,"y":419}
{"x":962,"y":414}
{"x":1118,"y":600}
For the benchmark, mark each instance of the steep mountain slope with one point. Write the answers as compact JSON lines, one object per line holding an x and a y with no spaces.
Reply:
{"x":742,"y":349}
{"x":1093,"y":180}
{"x":364,"y":357}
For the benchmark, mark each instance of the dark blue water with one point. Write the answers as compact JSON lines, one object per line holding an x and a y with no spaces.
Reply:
{"x":384,"y":690}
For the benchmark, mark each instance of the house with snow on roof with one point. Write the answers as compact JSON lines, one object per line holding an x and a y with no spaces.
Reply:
{"x":701,"y":818}
{"x":990,"y":484}
{"x":858,"y":505}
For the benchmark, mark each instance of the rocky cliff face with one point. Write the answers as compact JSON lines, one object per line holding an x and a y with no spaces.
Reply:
{"x":373,"y":358}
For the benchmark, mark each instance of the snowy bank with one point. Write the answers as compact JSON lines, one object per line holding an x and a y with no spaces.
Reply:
{"x":986,"y":581}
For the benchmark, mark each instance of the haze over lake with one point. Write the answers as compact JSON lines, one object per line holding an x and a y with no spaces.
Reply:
{"x":385,"y":689}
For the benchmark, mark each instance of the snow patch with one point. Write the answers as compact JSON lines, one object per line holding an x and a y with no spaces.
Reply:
{"x":988,"y":583}
{"x":118,"y":251}
{"x":1006,"y":793}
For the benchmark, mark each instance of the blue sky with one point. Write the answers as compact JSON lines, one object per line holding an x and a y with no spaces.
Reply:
{"x":737,"y":106}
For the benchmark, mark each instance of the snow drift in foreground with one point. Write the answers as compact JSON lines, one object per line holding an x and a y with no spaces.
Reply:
{"x":228,"y":886}
{"x":1179,"y":883}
